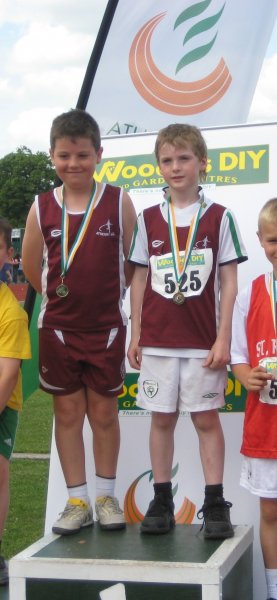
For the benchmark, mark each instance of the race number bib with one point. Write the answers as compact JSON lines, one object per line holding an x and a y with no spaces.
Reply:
{"x":163,"y":279}
{"x":269,"y":394}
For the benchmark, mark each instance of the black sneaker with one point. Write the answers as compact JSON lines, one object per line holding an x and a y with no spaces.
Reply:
{"x":4,"y":573}
{"x":160,"y":515}
{"x":216,"y":524}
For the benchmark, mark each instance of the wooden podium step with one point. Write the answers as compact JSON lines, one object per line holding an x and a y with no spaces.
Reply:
{"x":179,"y":566}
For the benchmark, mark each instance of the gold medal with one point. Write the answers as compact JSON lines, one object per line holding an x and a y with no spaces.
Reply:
{"x":62,"y":290}
{"x":178,"y":298}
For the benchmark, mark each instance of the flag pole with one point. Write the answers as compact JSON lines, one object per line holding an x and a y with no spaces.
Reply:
{"x":96,"y":53}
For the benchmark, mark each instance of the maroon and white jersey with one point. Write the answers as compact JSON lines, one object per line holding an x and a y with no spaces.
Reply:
{"x":193,"y":324}
{"x":95,"y":278}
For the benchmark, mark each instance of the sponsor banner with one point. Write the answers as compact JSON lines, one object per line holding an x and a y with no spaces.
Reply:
{"x":167,"y":61}
{"x":228,"y":166}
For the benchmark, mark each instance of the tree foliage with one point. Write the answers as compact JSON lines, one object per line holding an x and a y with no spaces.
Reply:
{"x":22,"y":175}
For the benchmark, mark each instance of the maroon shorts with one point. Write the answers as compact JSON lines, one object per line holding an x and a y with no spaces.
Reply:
{"x":69,"y":361}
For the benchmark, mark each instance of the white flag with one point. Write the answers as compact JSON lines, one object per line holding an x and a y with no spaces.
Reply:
{"x":180,"y":61}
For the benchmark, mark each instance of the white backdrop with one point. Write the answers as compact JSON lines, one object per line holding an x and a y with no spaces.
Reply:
{"x":244,"y":144}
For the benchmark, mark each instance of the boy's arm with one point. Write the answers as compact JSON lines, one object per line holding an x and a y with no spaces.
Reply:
{"x":9,"y":275}
{"x":129,"y":221}
{"x":219,"y":354}
{"x":32,"y":250}
{"x":254,"y":380}
{"x":9,"y":368}
{"x":137,"y":292}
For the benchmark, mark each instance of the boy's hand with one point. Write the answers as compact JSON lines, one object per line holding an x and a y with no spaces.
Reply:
{"x":134,"y":355}
{"x":219,"y":355}
{"x":257,"y":379}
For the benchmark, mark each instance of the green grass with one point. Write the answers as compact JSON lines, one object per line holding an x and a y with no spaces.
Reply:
{"x":29,"y":477}
{"x":35,"y":425}
{"x":25,"y":523}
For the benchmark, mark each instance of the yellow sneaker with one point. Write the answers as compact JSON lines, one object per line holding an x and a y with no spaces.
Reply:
{"x":77,"y":514}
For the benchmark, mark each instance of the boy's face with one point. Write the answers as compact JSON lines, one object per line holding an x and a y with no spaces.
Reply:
{"x":268,"y":240}
{"x":180,"y":167}
{"x":5,"y":253}
{"x":75,"y":161}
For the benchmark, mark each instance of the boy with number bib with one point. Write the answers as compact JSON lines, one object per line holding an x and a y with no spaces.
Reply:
{"x":254,"y":363}
{"x":82,"y":232}
{"x":186,"y":251}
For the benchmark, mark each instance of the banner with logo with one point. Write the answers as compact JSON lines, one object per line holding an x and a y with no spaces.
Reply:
{"x":187,"y":61}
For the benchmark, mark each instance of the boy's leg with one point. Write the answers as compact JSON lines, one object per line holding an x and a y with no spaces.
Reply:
{"x":4,"y":508}
{"x":102,"y":413}
{"x":8,"y":427}
{"x":215,"y":510}
{"x":4,"y":492}
{"x":159,"y":517}
{"x":162,"y":444}
{"x":268,"y":537}
{"x":211,"y":444}
{"x":70,"y":413}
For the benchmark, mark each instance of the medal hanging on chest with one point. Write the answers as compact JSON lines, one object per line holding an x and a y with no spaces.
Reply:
{"x":180,"y":262}
{"x":67,"y":257}
{"x":62,"y":290}
{"x":178,"y":298}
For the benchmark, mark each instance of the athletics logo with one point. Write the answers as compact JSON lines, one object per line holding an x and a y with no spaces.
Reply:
{"x":170,"y":95}
{"x":157,"y":243}
{"x":132,"y":513}
{"x":106,"y":229}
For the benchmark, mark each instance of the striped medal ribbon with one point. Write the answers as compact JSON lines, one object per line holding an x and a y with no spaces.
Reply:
{"x":180,"y":262}
{"x":67,"y":257}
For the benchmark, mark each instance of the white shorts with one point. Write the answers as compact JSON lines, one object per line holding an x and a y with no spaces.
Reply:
{"x":168,"y":383}
{"x":259,"y":476}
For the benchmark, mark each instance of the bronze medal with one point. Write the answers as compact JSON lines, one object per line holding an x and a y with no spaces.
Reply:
{"x":62,"y":290}
{"x":179,"y":298}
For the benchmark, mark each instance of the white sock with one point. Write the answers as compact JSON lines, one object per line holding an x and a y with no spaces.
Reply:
{"x":271,"y":582}
{"x":105,"y":486}
{"x":79,"y":491}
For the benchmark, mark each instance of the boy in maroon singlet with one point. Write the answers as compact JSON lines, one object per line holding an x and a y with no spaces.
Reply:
{"x":76,"y":240}
{"x":185,"y":250}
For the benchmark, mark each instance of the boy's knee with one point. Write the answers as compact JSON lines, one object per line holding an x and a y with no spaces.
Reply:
{"x":269,"y":509}
{"x":164,"y":420}
{"x":4,"y":469}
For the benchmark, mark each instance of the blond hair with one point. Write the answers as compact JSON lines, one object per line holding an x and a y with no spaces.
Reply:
{"x":180,"y":135}
{"x":268,"y":214}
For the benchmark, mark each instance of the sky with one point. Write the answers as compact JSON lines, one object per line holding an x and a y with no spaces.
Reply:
{"x":45,"y":46}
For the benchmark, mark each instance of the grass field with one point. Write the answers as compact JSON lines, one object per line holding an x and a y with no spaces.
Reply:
{"x":29,"y":477}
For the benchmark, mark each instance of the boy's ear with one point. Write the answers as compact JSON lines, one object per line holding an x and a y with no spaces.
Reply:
{"x":260,"y":238}
{"x":99,"y":155}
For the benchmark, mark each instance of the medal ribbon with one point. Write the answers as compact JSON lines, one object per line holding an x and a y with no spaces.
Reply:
{"x":179,"y":263}
{"x":273,"y":299}
{"x":68,"y":257}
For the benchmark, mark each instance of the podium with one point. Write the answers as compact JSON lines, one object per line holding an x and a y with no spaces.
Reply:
{"x":180,"y":565}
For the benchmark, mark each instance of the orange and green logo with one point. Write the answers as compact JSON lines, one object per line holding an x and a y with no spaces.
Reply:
{"x":132,"y":513}
{"x":171,"y":95}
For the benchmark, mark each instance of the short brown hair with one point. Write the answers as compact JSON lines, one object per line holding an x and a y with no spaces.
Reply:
{"x":181,"y":134}
{"x":73,"y":124}
{"x":6,"y":231}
